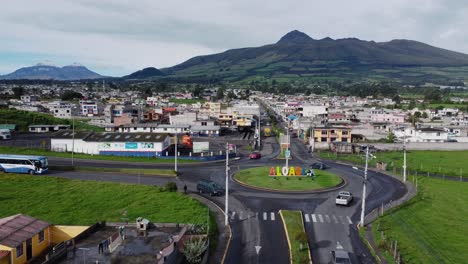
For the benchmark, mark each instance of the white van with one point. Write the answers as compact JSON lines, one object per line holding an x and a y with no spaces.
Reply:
{"x":5,"y":134}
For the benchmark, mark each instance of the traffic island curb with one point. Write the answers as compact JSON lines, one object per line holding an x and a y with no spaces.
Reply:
{"x":342,"y":184}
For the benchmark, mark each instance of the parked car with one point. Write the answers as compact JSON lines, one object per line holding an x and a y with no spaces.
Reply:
{"x":207,"y":186}
{"x":255,"y":155}
{"x":340,"y":257}
{"x":344,"y":198}
{"x":319,"y":166}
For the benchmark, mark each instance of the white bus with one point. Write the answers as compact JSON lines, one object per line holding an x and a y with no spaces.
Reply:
{"x":23,"y":164}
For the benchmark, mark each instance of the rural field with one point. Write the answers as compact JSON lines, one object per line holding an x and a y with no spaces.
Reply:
{"x":259,"y":177}
{"x":448,"y":163}
{"x":75,"y":202}
{"x":295,"y":229}
{"x":431,"y":228}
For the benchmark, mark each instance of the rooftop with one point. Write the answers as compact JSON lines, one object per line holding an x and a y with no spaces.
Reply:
{"x":16,"y":229}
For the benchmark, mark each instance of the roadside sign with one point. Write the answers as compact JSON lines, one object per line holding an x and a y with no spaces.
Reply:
{"x":287,"y":153}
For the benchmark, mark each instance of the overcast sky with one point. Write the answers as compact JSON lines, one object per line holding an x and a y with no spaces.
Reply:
{"x":117,"y":37}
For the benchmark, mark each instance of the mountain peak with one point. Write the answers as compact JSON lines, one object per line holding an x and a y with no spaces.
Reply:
{"x":295,"y":37}
{"x":75,"y":64}
{"x":46,"y":63}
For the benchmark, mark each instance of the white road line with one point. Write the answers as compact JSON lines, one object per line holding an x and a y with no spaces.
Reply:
{"x":321,"y":218}
{"x":272,"y":216}
{"x":264,"y":216}
{"x":233,"y":215}
{"x":313,"y":218}
{"x":307,"y":219}
{"x":349,"y":220}
{"x":240,"y":215}
{"x":334,"y":219}
{"x":327,"y":218}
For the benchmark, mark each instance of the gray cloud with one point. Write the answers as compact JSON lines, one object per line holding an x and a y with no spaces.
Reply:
{"x":120,"y":36}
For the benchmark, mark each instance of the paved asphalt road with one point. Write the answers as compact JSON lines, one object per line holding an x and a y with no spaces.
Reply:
{"x":254,"y":214}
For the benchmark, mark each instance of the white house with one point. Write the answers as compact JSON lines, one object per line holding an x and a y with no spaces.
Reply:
{"x":421,"y":134}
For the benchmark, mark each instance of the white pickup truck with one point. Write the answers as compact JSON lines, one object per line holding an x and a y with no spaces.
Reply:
{"x":344,"y":198}
{"x":5,"y":134}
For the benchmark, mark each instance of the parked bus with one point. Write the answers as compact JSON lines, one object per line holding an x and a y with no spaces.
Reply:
{"x":23,"y":164}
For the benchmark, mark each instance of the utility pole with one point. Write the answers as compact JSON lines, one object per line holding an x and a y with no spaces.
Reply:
{"x":226,"y":206}
{"x":363,"y":205}
{"x":404,"y":158}
{"x":259,"y":129}
{"x":175,"y":155}
{"x":287,"y":147}
{"x":73,"y":140}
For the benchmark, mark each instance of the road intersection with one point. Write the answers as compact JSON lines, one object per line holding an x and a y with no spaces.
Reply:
{"x":258,"y":235}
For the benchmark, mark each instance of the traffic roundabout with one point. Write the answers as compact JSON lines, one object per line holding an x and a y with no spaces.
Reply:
{"x":261,"y":178}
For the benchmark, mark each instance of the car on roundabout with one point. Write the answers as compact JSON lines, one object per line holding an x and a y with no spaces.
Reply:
{"x":319,"y":166}
{"x":255,"y":155}
{"x":210,"y":187}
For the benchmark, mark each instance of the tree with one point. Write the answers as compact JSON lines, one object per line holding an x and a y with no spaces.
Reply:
{"x":390,"y":138}
{"x":220,"y":94}
{"x":412,"y":105}
{"x":397,"y":99}
{"x":194,"y":249}
{"x":197,"y":92}
{"x":433,"y":94}
{"x":424,"y":115}
{"x":70,"y":95}
{"x":18,"y":91}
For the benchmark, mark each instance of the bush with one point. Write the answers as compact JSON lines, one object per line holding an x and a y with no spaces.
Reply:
{"x":171,"y":187}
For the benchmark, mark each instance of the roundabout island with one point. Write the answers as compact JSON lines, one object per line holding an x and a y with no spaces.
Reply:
{"x":259,"y":178}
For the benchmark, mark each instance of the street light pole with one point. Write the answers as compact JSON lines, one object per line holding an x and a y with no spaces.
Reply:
{"x":259,"y":130}
{"x":404,"y":158}
{"x":175,"y":155}
{"x":226,"y":207}
{"x":73,"y":141}
{"x":363,"y":205}
{"x":287,"y":147}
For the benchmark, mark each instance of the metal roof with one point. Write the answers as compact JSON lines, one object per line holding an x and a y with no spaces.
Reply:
{"x":8,"y":126}
{"x":16,"y":229}
{"x":126,"y":137}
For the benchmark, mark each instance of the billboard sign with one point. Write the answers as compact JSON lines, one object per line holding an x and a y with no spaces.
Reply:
{"x":200,"y":147}
{"x":291,"y":171}
{"x":131,"y":145}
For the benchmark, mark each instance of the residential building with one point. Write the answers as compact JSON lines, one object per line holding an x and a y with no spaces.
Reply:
{"x":332,"y":134}
{"x":29,"y":98}
{"x":63,"y":109}
{"x":47,"y":128}
{"x":427,"y":134}
{"x":90,"y":108}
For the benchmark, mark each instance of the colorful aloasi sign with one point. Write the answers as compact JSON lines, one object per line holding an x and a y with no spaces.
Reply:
{"x":290,"y":171}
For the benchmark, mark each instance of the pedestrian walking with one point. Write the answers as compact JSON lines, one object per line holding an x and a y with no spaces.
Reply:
{"x":185,"y":188}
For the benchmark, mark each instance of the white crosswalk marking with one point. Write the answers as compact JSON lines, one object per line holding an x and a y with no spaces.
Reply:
{"x":264,"y":216}
{"x":349,"y":220}
{"x":313,"y":218}
{"x":327,"y":218}
{"x":307,"y":219}
{"x":272,"y":216}
{"x":240,"y":215}
{"x":233,"y":215}
{"x":321,"y":218}
{"x":334,"y":219}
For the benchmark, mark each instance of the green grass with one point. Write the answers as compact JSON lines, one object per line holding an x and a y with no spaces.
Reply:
{"x":76,"y":202}
{"x":42,"y":152}
{"x":25,"y":118}
{"x":139,"y":171}
{"x":449,"y":163}
{"x":431,"y":228}
{"x":186,"y":101}
{"x":259,"y":177}
{"x":297,"y":235}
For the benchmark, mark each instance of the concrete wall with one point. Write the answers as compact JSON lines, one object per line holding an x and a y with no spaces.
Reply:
{"x":423,"y":146}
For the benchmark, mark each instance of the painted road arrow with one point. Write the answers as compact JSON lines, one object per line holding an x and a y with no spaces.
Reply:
{"x":257,"y":248}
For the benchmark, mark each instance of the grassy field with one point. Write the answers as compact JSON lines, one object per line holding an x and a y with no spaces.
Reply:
{"x":25,"y":118}
{"x":297,"y":235}
{"x":449,"y":163}
{"x":74,"y":202}
{"x":42,"y":152}
{"x":432,"y":227}
{"x":258,"y":177}
{"x":142,"y":172}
